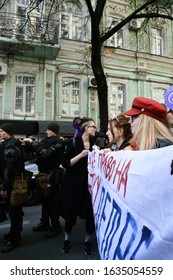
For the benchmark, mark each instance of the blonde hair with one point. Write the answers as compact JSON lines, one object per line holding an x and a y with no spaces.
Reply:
{"x":150,"y":130}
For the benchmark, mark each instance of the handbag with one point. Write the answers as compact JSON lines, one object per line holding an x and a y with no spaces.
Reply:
{"x":43,"y":183}
{"x":19,"y":193}
{"x":46,"y":183}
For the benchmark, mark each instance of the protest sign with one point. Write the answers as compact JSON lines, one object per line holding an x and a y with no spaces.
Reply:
{"x":132,"y":196}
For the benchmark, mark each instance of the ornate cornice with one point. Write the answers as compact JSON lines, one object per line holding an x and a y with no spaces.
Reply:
{"x":117,"y":8}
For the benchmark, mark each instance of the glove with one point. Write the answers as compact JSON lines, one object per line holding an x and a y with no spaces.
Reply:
{"x":57,"y":148}
{"x":36,"y":146}
{"x":43,"y":153}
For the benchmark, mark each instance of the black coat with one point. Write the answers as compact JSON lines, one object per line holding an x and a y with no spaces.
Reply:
{"x":75,"y":198}
{"x":11,"y":162}
{"x":48,"y":153}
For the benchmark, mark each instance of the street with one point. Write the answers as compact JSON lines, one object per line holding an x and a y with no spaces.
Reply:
{"x":34,"y":246}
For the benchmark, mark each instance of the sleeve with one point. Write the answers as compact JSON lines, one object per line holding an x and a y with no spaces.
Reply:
{"x":11,"y":158}
{"x":55,"y":149}
{"x":68,"y":154}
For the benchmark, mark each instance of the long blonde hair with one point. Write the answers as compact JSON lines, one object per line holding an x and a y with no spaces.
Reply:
{"x":150,"y":130}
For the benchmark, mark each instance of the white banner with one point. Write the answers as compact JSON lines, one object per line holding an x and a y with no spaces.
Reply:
{"x":132,"y":195}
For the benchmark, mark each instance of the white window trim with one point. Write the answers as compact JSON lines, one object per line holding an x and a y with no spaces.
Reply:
{"x":81,"y":98}
{"x":120,"y":82}
{"x":70,"y":25}
{"x":15,"y":113}
{"x":123,"y":34}
{"x":158,"y":51}
{"x":161,"y":87}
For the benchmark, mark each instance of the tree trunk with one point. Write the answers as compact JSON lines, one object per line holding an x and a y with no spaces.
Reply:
{"x":102,"y":88}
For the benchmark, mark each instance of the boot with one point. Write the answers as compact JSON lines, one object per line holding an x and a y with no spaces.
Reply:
{"x":10,"y":246}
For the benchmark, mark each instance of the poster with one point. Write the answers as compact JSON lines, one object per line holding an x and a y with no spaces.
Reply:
{"x":132,"y":196}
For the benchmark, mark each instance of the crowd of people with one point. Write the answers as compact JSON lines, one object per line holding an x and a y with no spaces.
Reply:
{"x":147,"y":125}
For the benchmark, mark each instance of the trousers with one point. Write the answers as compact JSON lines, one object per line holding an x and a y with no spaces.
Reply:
{"x":16,"y":222}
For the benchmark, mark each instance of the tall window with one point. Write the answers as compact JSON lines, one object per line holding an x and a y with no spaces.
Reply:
{"x":25,"y":94}
{"x":116,"y":40}
{"x":71,"y":22}
{"x":21,"y":11}
{"x":116,"y":99}
{"x":70,"y":97}
{"x":157,"y":41}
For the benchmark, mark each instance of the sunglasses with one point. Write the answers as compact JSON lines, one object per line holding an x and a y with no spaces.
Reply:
{"x":116,"y":119}
{"x":170,"y":111}
{"x":93,"y":126}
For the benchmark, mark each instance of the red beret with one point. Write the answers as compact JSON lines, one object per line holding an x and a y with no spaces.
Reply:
{"x":147,"y":106}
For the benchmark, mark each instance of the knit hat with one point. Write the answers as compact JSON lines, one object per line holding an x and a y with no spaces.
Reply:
{"x":53,"y":126}
{"x":8,"y":128}
{"x":147,"y":106}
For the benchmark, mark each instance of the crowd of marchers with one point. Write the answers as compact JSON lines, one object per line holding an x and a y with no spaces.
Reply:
{"x":147,"y":125}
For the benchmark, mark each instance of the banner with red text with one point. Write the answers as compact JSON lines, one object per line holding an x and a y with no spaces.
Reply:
{"x":132,"y":196}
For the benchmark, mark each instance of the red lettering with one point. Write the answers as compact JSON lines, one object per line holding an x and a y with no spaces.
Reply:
{"x":96,"y":182}
{"x":110,"y":168}
{"x":123,"y":177}
{"x":117,"y":172}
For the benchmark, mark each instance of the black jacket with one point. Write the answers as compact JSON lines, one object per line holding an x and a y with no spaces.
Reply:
{"x":161,"y":143}
{"x":11,"y":162}
{"x":48,"y":153}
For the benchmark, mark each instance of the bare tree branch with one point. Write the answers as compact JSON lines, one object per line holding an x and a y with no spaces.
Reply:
{"x":154,"y":15}
{"x":3,"y":4}
{"x":106,"y":36}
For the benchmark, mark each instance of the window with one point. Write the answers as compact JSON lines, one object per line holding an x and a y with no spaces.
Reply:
{"x":21,"y":10}
{"x":116,"y":40}
{"x":116,"y":100}
{"x":25,"y":94}
{"x":29,"y":18}
{"x":157,"y":94}
{"x":71,"y":22}
{"x":157,"y":41}
{"x":70,"y":97}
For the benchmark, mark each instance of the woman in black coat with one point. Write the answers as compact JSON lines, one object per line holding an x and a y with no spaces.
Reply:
{"x":75,"y":197}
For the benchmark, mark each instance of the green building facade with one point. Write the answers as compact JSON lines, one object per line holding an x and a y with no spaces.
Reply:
{"x":45,"y":70}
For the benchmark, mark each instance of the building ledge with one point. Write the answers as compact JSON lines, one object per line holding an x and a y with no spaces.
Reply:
{"x":14,"y":47}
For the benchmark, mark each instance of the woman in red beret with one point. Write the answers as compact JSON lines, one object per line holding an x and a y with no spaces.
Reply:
{"x":147,"y":123}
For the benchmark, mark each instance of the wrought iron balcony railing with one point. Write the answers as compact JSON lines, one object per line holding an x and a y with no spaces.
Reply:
{"x":28,"y":28}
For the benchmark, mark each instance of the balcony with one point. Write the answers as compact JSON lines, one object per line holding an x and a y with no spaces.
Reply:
{"x":28,"y":37}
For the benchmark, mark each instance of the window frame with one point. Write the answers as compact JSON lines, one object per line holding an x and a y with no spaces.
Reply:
{"x":114,"y":37}
{"x":116,"y":103}
{"x":70,"y":114}
{"x":157,"y":45}
{"x":22,"y":111}
{"x":71,"y":26}
{"x":156,"y":91}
